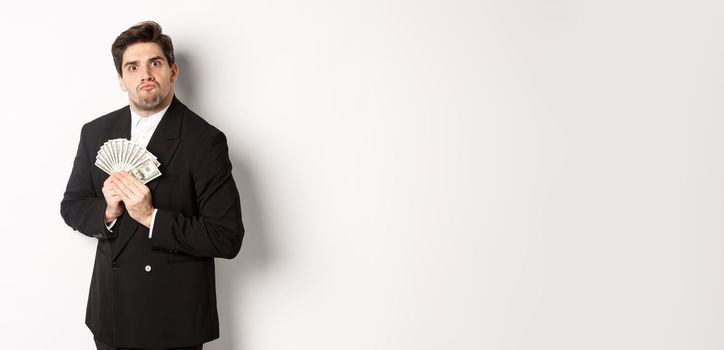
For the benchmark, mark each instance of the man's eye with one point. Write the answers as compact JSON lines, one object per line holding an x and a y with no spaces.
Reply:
{"x":156,"y":63}
{"x":131,"y":68}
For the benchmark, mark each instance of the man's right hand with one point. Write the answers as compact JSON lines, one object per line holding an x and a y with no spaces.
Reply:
{"x":114,"y":204}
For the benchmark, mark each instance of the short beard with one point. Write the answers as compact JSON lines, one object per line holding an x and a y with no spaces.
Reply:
{"x":149,"y":103}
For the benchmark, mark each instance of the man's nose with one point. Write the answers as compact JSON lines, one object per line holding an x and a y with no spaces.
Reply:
{"x":146,"y":74}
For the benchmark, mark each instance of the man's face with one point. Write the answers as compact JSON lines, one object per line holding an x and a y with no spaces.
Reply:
{"x":147,"y":78}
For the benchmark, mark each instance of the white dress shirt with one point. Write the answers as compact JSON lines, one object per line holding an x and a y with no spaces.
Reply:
{"x":142,"y":129}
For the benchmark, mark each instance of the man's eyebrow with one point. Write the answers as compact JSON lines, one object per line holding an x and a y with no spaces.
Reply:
{"x":135,"y":63}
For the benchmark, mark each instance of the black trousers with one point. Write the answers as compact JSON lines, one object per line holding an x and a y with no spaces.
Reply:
{"x":102,"y":346}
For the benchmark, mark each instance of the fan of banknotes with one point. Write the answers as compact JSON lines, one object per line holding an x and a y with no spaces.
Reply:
{"x":125,"y":155}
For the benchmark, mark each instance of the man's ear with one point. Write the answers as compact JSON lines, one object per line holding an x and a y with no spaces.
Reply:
{"x":174,"y":72}
{"x":120,"y":82}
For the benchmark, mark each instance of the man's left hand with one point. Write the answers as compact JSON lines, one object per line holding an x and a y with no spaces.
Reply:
{"x":135,"y":195}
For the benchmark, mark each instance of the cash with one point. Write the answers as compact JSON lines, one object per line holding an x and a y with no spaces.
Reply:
{"x":125,"y":155}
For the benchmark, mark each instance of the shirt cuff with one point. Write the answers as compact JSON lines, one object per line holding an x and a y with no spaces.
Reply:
{"x":153,"y":219}
{"x":110,"y":226}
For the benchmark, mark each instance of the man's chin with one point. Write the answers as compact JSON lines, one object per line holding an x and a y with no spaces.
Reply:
{"x":148,"y":105}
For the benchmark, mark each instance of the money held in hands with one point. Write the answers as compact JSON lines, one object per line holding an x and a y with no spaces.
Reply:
{"x":124,"y":155}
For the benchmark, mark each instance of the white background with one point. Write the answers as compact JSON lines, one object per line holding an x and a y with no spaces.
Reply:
{"x":414,"y":174}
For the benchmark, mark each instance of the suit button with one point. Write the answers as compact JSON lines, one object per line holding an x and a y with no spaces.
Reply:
{"x":114,"y":265}
{"x":148,"y":268}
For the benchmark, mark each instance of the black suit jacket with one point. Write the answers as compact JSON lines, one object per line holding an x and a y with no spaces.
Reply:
{"x":158,"y":292}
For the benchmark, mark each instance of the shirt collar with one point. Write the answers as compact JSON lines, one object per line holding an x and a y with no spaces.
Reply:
{"x":154,"y":118}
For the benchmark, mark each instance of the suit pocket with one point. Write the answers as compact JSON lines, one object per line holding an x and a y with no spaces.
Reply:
{"x":176,"y":257}
{"x":183,"y":260}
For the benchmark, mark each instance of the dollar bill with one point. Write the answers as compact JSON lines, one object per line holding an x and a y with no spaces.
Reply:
{"x":146,"y":172}
{"x":125,"y":155}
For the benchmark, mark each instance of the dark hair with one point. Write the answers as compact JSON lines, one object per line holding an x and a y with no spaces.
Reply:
{"x":144,"y":32}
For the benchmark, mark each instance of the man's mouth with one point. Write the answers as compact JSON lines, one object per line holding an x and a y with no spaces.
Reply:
{"x":148,"y":86}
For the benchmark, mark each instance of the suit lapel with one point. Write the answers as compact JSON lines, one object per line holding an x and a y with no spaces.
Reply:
{"x":122,"y":128}
{"x":163,"y":145}
{"x":166,"y":138}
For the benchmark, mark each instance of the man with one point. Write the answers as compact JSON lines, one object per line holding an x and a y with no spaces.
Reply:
{"x":153,"y":283}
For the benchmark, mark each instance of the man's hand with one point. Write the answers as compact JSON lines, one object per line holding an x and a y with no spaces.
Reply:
{"x":114,"y":203}
{"x":135,"y":195}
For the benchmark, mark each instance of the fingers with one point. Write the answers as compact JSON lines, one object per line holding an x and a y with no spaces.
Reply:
{"x":122,"y":189}
{"x":135,"y":196}
{"x":128,"y":187}
{"x":111,"y":195}
{"x":110,"y":192}
{"x":129,"y":183}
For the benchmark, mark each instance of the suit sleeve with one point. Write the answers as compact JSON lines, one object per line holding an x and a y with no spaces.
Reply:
{"x":81,"y":208}
{"x":217,"y":230}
